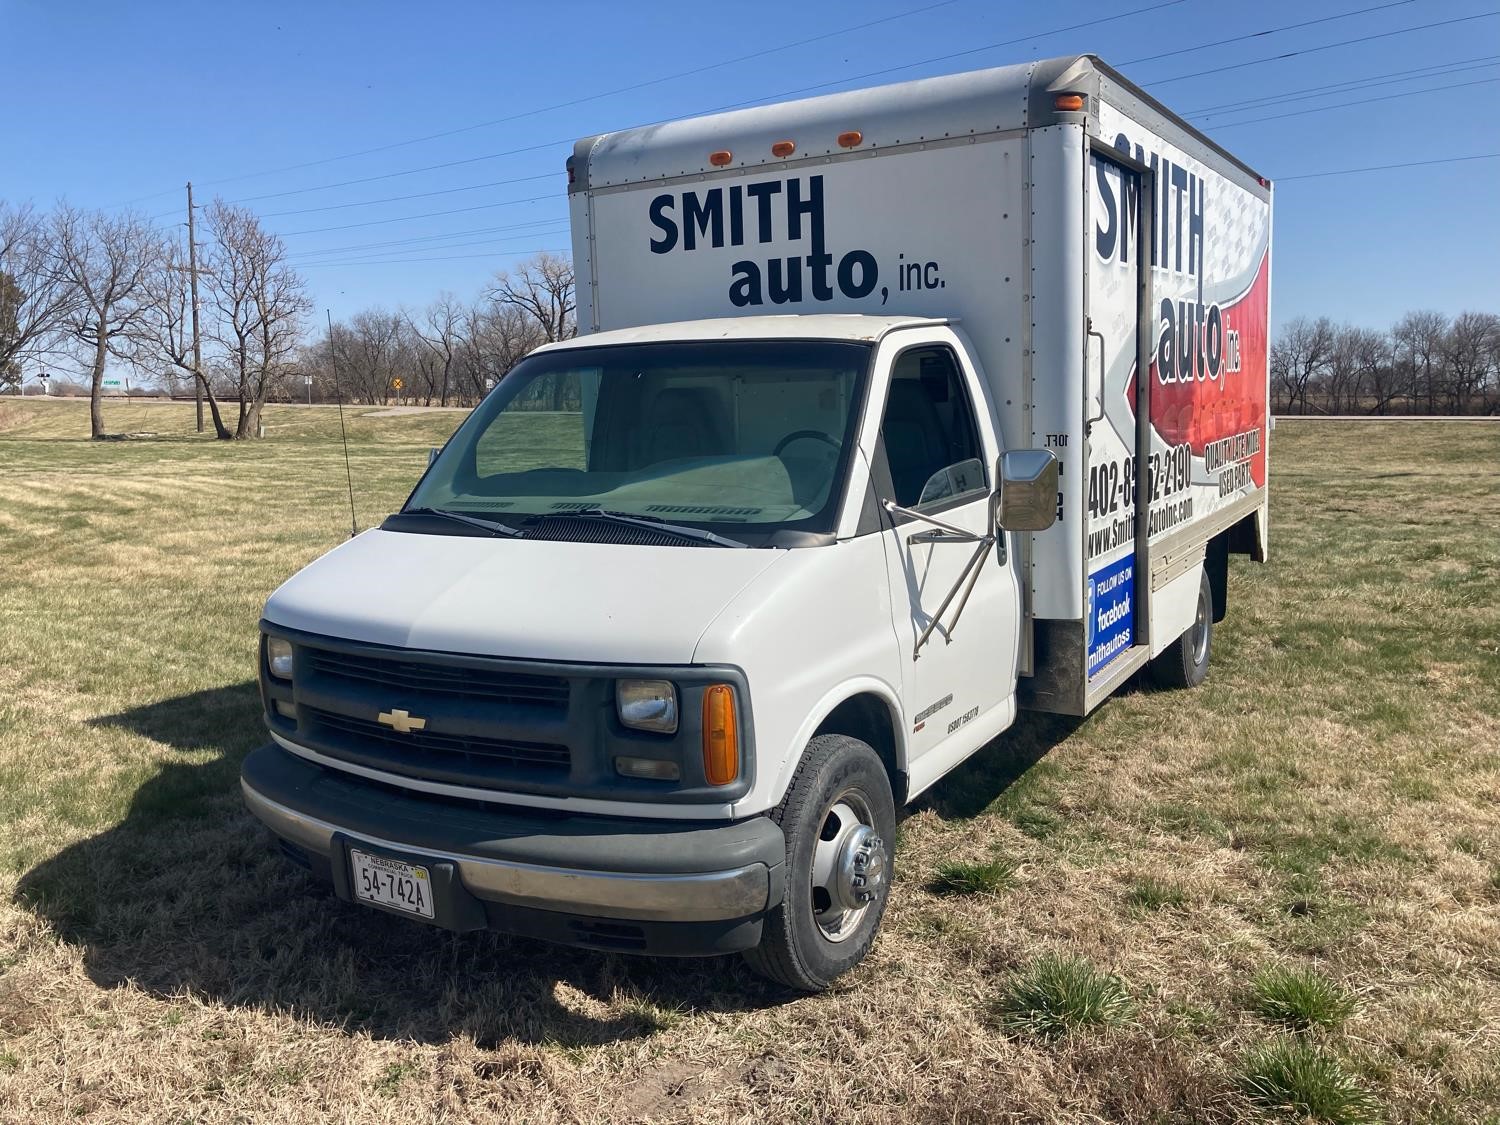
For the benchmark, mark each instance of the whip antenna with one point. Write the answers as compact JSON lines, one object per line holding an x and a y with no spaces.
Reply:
{"x":338,"y":396}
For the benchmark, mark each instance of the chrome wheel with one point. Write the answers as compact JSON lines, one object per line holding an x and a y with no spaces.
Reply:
{"x":1198,"y":637}
{"x":849,"y":867}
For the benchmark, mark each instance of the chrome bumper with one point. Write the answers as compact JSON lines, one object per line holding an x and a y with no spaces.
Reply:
{"x":677,"y":897}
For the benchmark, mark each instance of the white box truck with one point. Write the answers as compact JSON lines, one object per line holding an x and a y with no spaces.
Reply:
{"x":895,"y":412}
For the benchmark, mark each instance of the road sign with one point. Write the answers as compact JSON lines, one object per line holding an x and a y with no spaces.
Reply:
{"x":396,"y":383}
{"x":113,"y":383}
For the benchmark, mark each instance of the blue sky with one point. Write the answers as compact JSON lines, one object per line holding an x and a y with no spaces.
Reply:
{"x":116,"y":103}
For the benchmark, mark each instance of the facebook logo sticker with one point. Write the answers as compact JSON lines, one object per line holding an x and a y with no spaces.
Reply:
{"x":1111,"y":611}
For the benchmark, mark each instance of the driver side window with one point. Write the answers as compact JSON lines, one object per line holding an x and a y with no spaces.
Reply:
{"x":931,"y":442}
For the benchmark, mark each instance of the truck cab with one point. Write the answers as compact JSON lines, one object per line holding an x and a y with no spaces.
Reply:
{"x":691,"y":605}
{"x":584,"y":726}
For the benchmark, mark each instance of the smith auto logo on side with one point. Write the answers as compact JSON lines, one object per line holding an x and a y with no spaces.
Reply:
{"x":400,"y":721}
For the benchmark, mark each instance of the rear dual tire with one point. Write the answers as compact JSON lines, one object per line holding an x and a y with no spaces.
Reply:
{"x":1184,"y":663}
{"x":839,"y":820}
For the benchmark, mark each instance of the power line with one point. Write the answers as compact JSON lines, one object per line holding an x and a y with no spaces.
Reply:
{"x":568,"y":140}
{"x":436,"y":237}
{"x":415,"y":195}
{"x":1389,"y":78}
{"x":541,"y":232}
{"x":1361,"y":101}
{"x":576,"y":101}
{"x":460,"y":235}
{"x":1036,"y":35}
{"x":406,"y":172}
{"x":1268,"y":31}
{"x":1389,"y":167}
{"x":944,"y":58}
{"x":423,"y":215}
{"x":1325,"y":47}
{"x":405,"y":261}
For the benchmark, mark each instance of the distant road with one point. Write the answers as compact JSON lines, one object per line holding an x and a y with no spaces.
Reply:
{"x":1388,"y":417}
{"x":234,"y":403}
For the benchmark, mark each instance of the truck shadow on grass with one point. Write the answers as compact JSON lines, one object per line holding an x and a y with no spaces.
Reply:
{"x":188,"y":894}
{"x":1006,"y":771}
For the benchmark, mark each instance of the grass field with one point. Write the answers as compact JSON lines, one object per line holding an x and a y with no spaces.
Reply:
{"x":1278,"y":895}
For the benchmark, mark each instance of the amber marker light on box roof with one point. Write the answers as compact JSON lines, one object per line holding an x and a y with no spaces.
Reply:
{"x":852,"y":139}
{"x":720,"y":158}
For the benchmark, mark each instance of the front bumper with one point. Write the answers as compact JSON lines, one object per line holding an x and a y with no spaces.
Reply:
{"x":632,"y":884}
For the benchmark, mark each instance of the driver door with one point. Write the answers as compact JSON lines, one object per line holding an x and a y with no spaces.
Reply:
{"x":933,"y":458}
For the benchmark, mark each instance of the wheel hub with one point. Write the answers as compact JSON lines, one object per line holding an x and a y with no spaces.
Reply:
{"x":851,"y":868}
{"x":861,"y":868}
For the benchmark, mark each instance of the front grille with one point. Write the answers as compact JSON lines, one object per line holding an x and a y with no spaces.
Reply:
{"x":549,"y":692}
{"x":426,"y":753}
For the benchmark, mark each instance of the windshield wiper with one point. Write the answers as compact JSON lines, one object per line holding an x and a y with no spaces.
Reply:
{"x":494,"y":527}
{"x":656,"y":524}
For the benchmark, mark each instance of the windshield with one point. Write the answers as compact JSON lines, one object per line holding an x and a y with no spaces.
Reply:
{"x":724,"y":435}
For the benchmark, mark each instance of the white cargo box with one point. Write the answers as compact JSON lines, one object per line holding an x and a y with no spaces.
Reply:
{"x":1020,"y":202}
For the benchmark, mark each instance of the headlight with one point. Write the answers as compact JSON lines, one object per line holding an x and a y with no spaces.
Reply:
{"x":647,"y":705}
{"x":279,"y":657}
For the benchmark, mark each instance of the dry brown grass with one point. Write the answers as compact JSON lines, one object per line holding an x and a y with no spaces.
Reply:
{"x":1329,"y":800}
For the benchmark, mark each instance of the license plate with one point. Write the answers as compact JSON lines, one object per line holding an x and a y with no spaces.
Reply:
{"x":389,"y":882}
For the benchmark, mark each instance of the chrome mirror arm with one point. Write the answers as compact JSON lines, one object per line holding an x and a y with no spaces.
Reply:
{"x":953,"y":534}
{"x":948,"y":533}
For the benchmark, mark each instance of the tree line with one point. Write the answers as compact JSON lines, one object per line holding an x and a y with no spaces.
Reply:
{"x":99,"y":289}
{"x":1426,"y":363}
{"x":97,"y":292}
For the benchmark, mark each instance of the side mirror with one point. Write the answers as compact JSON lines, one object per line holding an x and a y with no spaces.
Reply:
{"x":1028,"y":490}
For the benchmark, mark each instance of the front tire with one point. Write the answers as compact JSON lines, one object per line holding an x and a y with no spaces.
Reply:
{"x":1184,"y":663}
{"x":839,"y":820}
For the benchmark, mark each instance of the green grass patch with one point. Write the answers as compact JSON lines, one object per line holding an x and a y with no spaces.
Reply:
{"x":1302,"y":998}
{"x":1056,"y":994}
{"x":395,"y":1075}
{"x":1150,"y":892}
{"x":1294,"y":1076}
{"x":973,"y":878}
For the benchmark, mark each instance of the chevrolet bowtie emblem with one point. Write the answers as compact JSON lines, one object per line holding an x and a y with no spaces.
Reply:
{"x":400,"y":721}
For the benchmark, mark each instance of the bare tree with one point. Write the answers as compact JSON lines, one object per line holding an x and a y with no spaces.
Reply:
{"x":1468,"y":354}
{"x":1341,"y":374}
{"x":1419,"y":347}
{"x":1299,"y":357}
{"x":1381,"y":376}
{"x":107,"y":262}
{"x":167,"y":332}
{"x":541,"y":288}
{"x":441,"y":331}
{"x":35,"y":297}
{"x":260,"y":302}
{"x":495,"y":339}
{"x":368,"y":348}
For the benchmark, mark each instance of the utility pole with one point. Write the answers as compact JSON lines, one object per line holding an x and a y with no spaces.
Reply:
{"x":197,"y":339}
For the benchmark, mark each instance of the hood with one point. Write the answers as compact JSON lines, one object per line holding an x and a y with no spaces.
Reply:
{"x":530,"y":599}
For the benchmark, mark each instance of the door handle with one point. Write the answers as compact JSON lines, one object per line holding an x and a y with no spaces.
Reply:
{"x":1089,"y":328}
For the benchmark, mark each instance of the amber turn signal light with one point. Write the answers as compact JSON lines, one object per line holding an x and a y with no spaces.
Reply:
{"x":721,"y":735}
{"x":1069,"y":103}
